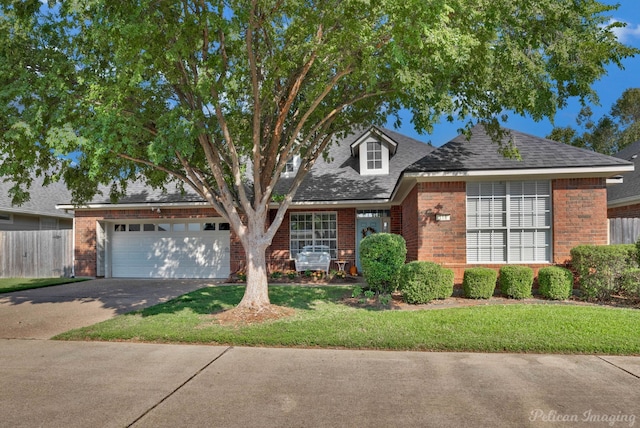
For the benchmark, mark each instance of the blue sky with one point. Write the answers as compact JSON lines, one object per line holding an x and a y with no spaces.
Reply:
{"x":609,"y":88}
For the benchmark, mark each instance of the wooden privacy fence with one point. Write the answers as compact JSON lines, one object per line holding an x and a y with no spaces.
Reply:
{"x":624,"y":230}
{"x":36,"y":253}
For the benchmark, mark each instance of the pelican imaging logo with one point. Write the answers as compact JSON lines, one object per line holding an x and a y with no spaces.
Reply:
{"x":589,"y":416}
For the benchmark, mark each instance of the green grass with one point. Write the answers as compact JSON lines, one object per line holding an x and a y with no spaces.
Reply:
{"x":322,"y":320}
{"x":8,"y":285}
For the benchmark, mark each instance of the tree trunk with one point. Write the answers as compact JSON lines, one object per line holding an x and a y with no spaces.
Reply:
{"x":256,"y":295}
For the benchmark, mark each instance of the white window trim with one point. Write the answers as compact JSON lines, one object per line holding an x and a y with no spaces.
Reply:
{"x":509,"y":229}
{"x":295,"y":160}
{"x":313,"y":213}
{"x":363,"y":154}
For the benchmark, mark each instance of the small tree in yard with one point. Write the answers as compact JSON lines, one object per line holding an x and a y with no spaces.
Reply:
{"x":192,"y":91}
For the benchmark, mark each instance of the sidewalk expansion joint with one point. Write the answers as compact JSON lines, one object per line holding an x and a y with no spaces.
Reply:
{"x":620,"y":368}
{"x":203,"y":368}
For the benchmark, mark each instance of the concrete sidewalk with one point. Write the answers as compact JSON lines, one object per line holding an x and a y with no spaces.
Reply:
{"x":79,"y":384}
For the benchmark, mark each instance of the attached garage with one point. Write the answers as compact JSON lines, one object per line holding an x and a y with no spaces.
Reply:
{"x":181,"y":249}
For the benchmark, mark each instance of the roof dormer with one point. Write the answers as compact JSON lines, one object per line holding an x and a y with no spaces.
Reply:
{"x":374,"y":150}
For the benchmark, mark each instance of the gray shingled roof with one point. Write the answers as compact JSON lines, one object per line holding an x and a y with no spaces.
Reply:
{"x":481,"y":153}
{"x":42,"y":201}
{"x":340,"y":179}
{"x":630,"y":187}
{"x":139,"y":193}
{"x":334,"y":180}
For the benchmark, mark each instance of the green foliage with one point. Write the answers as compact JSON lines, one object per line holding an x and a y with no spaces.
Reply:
{"x":422,"y":282}
{"x":609,"y":134}
{"x":479,"y":282}
{"x":384,"y":299}
{"x":369,"y":294}
{"x":276,"y":274}
{"x":555,"y":282}
{"x":357,"y":291}
{"x":599,"y":267}
{"x":629,"y":284}
{"x":382,"y":255}
{"x":516,"y":281}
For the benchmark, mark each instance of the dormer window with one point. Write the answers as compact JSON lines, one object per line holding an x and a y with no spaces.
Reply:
{"x":374,"y":149}
{"x":374,"y":155}
{"x":291,"y":167}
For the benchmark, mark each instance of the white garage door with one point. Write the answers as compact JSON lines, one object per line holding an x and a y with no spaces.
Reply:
{"x":170,"y":250}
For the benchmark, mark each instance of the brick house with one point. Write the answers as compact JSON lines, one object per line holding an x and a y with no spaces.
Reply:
{"x":460,"y":205}
{"x":623,"y":200}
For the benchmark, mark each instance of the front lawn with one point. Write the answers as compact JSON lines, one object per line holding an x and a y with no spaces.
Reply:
{"x":8,"y":285}
{"x":322,"y":319}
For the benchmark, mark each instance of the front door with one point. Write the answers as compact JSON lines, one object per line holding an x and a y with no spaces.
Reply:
{"x":365,"y":227}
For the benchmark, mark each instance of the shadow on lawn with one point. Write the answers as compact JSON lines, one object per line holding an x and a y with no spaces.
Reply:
{"x":215,"y":299}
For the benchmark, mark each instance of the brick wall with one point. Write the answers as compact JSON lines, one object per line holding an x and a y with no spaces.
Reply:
{"x":410,"y":223}
{"x":627,"y":211}
{"x":443,"y":242}
{"x":580,"y":215}
{"x":579,"y":208}
{"x":396,"y":220}
{"x":278,"y":254}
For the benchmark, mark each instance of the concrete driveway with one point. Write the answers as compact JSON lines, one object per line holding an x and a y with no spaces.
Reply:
{"x":45,"y":312}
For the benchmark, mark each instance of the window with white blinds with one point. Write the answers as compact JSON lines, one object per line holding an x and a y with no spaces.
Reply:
{"x":509,"y":222}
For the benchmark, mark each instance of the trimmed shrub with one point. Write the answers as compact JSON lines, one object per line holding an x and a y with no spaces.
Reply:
{"x":422,"y":282}
{"x":629,"y":283}
{"x":555,"y":282}
{"x":479,"y":282}
{"x":445,"y":283}
{"x":382,"y":256}
{"x":516,"y":281}
{"x":600,"y":266}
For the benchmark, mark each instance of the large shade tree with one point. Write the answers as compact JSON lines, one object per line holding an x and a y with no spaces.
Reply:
{"x":218,"y":95}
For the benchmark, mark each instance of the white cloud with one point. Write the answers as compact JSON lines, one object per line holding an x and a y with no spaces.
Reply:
{"x":624,"y":34}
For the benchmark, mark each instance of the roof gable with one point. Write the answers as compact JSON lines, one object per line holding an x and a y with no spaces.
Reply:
{"x":379,"y":135}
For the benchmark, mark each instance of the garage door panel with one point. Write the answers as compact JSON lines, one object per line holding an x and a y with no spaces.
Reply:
{"x":171,"y":255}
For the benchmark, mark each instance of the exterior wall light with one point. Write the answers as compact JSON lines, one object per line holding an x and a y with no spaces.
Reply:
{"x":443,"y":217}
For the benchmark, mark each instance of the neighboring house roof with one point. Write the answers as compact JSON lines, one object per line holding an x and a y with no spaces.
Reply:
{"x":628,"y":191}
{"x":42,"y":200}
{"x":480,"y":153}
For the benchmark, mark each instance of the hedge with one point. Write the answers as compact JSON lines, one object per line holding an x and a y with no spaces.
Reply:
{"x":422,"y":282}
{"x":555,"y":282}
{"x":479,"y":282}
{"x":516,"y":281}
{"x":599,"y":268}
